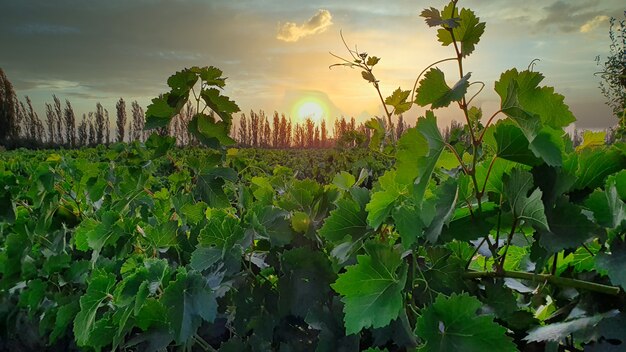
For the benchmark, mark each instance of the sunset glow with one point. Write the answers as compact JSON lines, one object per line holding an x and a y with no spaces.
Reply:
{"x":310,"y":108}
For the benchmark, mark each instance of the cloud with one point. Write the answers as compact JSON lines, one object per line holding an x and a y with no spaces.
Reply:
{"x":41,"y":28}
{"x":292,"y":32}
{"x":593,"y":23}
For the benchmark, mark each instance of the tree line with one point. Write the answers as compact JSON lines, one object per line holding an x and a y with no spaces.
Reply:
{"x":21,"y":126}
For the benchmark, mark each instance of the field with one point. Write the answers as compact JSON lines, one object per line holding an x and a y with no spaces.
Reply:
{"x":500,"y":236}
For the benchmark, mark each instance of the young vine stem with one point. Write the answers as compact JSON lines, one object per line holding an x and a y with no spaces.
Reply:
{"x":480,"y":139}
{"x":508,"y":243}
{"x":458,"y":157}
{"x":482,"y":86}
{"x":548,"y":278}
{"x":493,"y":161}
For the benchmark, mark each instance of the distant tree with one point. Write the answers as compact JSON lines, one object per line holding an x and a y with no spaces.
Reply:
{"x":70,"y":124}
{"x":243,"y":130}
{"x":282,"y":134}
{"x":93,"y":136}
{"x":82,"y":132}
{"x":51,"y":123}
{"x":254,"y":129}
{"x":298,"y":136}
{"x":316,"y":141}
{"x":58,"y":119}
{"x":99,"y":124}
{"x":613,"y":84}
{"x":34,"y":126}
{"x":288,"y":134}
{"x":107,"y":127}
{"x":276,"y":130}
{"x":138,"y":121}
{"x":120,"y":108}
{"x":267,"y":133}
{"x":324,"y":134}
{"x":9,"y":126}
{"x":309,"y":132}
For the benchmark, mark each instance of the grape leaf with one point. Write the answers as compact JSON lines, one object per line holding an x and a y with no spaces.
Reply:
{"x":445,"y":204}
{"x":382,"y":200}
{"x":559,"y":331}
{"x":222,"y":231}
{"x":222,"y":105}
{"x":512,"y":145}
{"x":451,"y":324}
{"x":569,"y":227}
{"x":372,"y":289}
{"x":427,"y":126}
{"x":189,"y":301}
{"x":433,"y":18}
{"x":159,"y":113}
{"x":348,"y":219}
{"x":344,"y":180}
{"x":434,"y":91}
{"x":409,"y":224}
{"x":398,"y":100}
{"x":468,"y":32}
{"x":614,"y":262}
{"x":528,"y":208}
{"x":99,"y":289}
{"x":531,"y":98}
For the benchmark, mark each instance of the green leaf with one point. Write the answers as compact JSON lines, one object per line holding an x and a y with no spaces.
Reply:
{"x":434,"y":91}
{"x":210,"y":186}
{"x":181,"y":82}
{"x":222,"y":231}
{"x":305,"y":284}
{"x":372,"y":61}
{"x":521,"y":90}
{"x":372,"y":289}
{"x":65,"y":315}
{"x":159,"y":113}
{"x":368,"y":76}
{"x":593,"y":166}
{"x":427,"y":126}
{"x":398,"y":100}
{"x":614,"y":262}
{"x":348,"y":219}
{"x":569,"y":227}
{"x":189,"y":301}
{"x":607,"y":207}
{"x":99,"y":289}
{"x":498,"y":169}
{"x":210,"y":132}
{"x":445,"y":204}
{"x":222,"y":105}
{"x":592,"y":139}
{"x":383,"y":200}
{"x":203,"y":257}
{"x":344,"y":180}
{"x":409,"y":224}
{"x":411,"y":147}
{"x":212,"y":76}
{"x":512,"y":145}
{"x":433,"y":19}
{"x":468,"y":32}
{"x":560,"y":331}
{"x":527,"y":208}
{"x":451,"y":324}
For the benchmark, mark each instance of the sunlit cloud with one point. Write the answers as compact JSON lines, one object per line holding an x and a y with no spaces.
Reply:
{"x":593,"y":23}
{"x":292,"y":32}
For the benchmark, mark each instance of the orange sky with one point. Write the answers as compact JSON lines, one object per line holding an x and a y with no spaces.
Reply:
{"x":276,"y":53}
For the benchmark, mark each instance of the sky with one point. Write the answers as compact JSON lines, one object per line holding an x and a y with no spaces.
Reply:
{"x":275,"y":53}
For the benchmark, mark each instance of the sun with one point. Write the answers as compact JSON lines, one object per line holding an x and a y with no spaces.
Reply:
{"x":310,"y":108}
